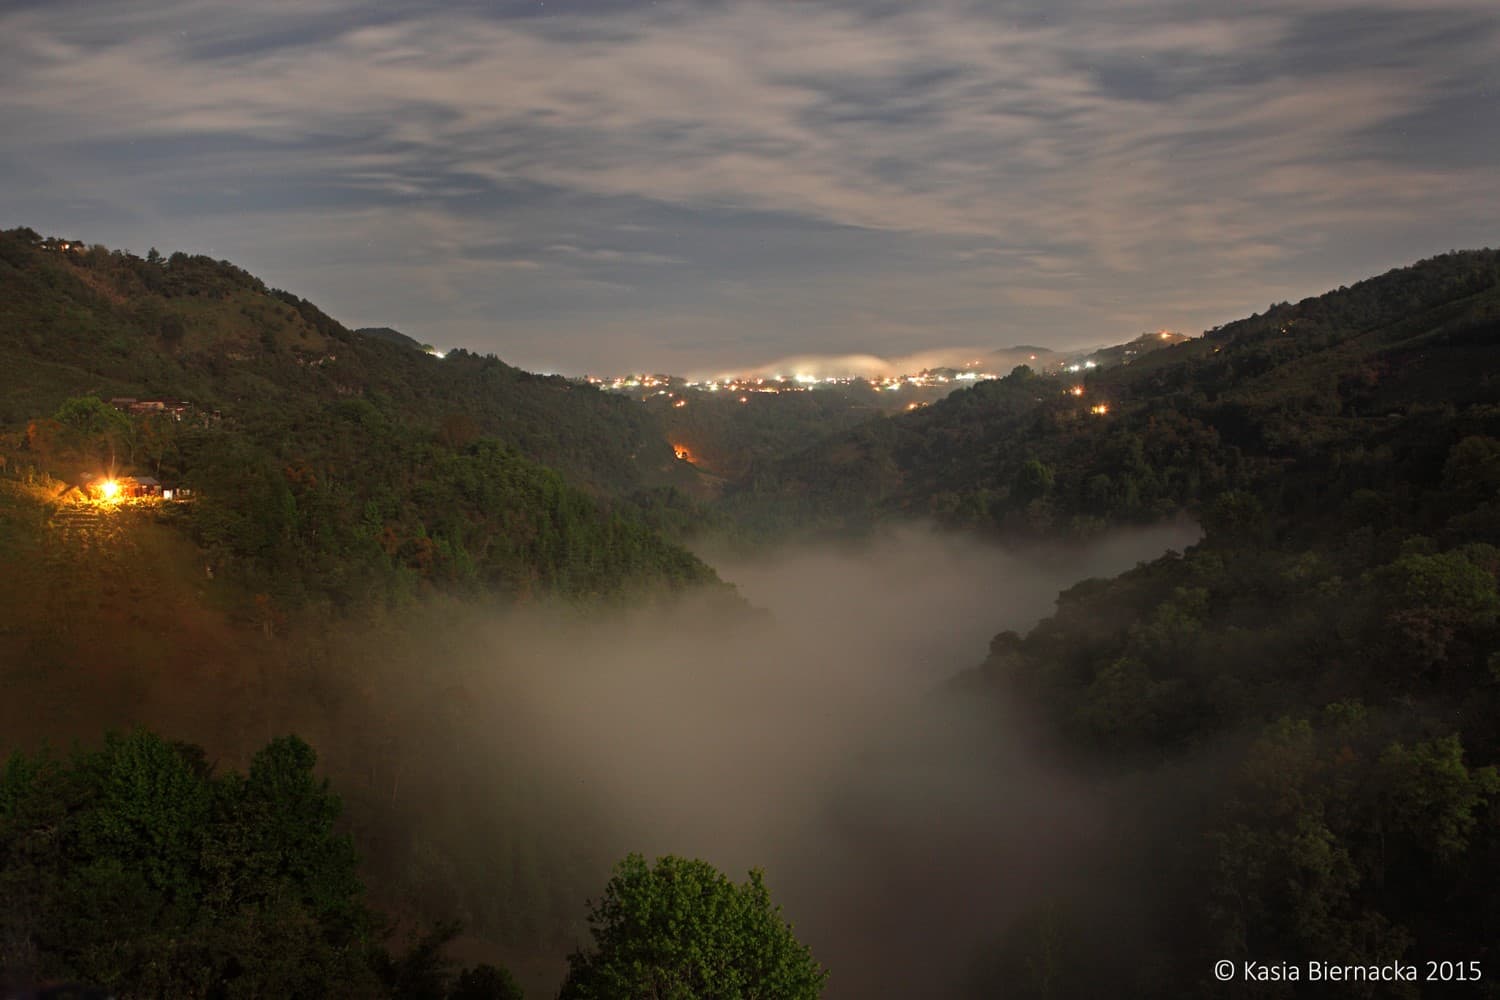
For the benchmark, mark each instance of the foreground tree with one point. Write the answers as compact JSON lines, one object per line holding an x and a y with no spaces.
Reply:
{"x":136,"y":868}
{"x":682,"y":931}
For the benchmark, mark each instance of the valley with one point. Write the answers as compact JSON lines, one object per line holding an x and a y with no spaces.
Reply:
{"x":964,"y":681}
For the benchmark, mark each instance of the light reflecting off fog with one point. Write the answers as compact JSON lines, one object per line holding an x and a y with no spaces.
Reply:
{"x":898,"y":839}
{"x":496,"y":763}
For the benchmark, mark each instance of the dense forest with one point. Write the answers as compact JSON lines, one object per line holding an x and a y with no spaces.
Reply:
{"x":109,"y":323}
{"x":1303,"y":705}
{"x":1291,"y":725}
{"x":329,"y":467}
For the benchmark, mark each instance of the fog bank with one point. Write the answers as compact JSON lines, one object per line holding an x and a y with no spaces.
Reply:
{"x":900,"y":832}
{"x":495,"y":763}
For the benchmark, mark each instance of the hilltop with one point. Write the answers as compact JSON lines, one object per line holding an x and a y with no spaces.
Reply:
{"x":328,"y":467}
{"x":391,"y":336}
{"x":359,"y":517}
{"x":110,"y":323}
{"x":732,"y":428}
{"x":1233,"y":409}
{"x":1294,"y":720}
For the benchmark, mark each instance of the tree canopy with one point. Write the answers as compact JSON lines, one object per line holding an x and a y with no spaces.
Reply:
{"x":680,"y":930}
{"x":138,"y":868}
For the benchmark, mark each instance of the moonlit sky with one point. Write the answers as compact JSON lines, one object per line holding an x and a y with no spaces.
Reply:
{"x":606,"y":186}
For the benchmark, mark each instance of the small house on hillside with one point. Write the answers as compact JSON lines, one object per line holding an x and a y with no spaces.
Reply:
{"x":140,"y":486}
{"x":144,"y":407}
{"x":99,"y":487}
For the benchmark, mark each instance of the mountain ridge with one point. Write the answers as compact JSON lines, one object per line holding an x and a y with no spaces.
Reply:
{"x":1165,"y":432}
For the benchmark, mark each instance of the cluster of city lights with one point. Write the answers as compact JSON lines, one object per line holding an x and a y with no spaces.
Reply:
{"x":663,"y":385}
{"x":742,"y":386}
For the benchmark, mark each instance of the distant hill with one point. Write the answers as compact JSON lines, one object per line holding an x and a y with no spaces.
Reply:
{"x":731,"y":434}
{"x":1003,"y":360}
{"x":1124,"y":354}
{"x":1174,"y":427}
{"x":390,"y":336}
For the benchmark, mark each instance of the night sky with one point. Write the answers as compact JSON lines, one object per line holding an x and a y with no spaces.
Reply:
{"x":600,"y":187}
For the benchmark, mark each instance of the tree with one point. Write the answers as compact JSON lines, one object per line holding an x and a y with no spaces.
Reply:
{"x":1033,"y":482}
{"x":92,"y":428}
{"x":485,"y":982}
{"x":682,"y":931}
{"x":1430,"y":600}
{"x":135,"y":867}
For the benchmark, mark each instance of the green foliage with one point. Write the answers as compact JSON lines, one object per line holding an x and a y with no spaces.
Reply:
{"x":341,"y":469}
{"x":485,"y":982}
{"x":1308,"y":389}
{"x":1323,"y":661}
{"x":1034,"y":481}
{"x":349,"y":506}
{"x":679,"y":930}
{"x":1433,"y":798}
{"x":91,"y":431}
{"x":134,"y":867}
{"x":1429,"y":601}
{"x":137,"y":868}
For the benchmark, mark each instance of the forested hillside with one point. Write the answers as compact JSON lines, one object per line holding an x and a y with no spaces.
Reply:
{"x":1291,"y":727}
{"x":1297,"y":388}
{"x":326,"y":466}
{"x":109,"y":323}
{"x":225,"y":516}
{"x":1302,"y":710}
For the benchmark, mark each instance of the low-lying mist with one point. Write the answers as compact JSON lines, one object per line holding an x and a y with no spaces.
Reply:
{"x":495,"y":763}
{"x":901,"y":831}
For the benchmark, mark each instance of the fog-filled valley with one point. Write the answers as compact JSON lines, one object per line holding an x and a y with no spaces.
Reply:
{"x":496,"y":762}
{"x":370,"y":673}
{"x":812,"y":741}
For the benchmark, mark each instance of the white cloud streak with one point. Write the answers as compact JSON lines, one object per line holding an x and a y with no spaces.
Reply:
{"x":1133,"y":141}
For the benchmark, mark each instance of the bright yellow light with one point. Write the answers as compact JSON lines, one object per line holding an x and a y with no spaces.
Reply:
{"x":1077,"y":390}
{"x":1099,"y":410}
{"x":109,"y":489}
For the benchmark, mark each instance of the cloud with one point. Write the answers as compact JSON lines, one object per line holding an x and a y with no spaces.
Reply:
{"x":606,"y":255}
{"x":1138,"y":145}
